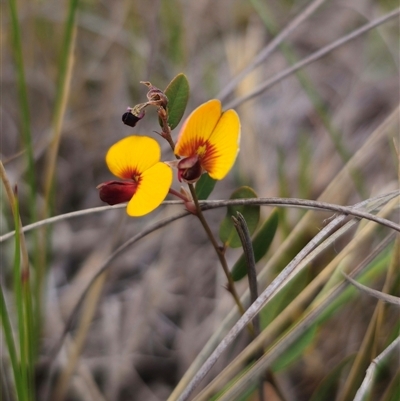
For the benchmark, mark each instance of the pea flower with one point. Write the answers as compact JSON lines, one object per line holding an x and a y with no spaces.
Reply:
{"x":208,"y":141}
{"x":146,"y":180}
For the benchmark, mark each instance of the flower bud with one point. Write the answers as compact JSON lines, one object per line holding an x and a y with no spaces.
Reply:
{"x":114,"y":192}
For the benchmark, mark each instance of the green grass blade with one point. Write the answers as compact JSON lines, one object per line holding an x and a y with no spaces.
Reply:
{"x":63,"y":82}
{"x":23,"y":381}
{"x":63,"y":85}
{"x":10,"y":343}
{"x":23,"y":105}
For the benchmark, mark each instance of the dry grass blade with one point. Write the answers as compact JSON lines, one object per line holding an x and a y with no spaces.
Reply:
{"x":282,"y":278}
{"x":369,"y":346}
{"x":374,"y":293}
{"x":306,"y":321}
{"x":79,"y":341}
{"x":369,"y":377}
{"x":270,"y":48}
{"x":313,"y":57}
{"x":63,"y":90}
{"x":316,"y":284}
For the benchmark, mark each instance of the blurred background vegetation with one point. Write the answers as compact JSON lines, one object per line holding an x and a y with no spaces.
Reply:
{"x":69,"y":70}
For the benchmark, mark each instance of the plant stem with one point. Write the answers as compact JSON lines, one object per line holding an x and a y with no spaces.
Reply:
{"x":166,"y":133}
{"x":220,"y":253}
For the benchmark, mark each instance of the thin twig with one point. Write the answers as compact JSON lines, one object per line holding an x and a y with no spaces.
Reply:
{"x":71,"y":215}
{"x":313,"y":57}
{"x":214,"y":204}
{"x":309,"y":204}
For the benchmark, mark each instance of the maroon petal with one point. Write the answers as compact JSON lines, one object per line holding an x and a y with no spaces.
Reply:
{"x":188,"y":162}
{"x":189,"y":169}
{"x":114,"y":192}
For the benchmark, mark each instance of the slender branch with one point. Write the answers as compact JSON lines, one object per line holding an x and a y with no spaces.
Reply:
{"x":314,"y":56}
{"x":215,"y":204}
{"x":309,"y":204}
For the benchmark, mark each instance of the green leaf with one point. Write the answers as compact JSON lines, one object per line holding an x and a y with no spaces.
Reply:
{"x":283,"y":298}
{"x":205,"y":186}
{"x":295,"y":351}
{"x":227,"y":230}
{"x":261,"y":243}
{"x":178,"y":94}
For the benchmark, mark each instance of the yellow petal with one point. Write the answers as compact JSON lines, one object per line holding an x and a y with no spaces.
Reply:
{"x":152,"y":189}
{"x":132,"y":156}
{"x":223,"y":146}
{"x":198,"y":127}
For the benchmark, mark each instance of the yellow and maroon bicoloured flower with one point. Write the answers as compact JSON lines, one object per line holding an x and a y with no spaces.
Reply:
{"x":136,"y":160}
{"x":208,"y":141}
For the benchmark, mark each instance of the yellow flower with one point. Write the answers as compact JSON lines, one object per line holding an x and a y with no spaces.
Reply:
{"x":208,"y":141}
{"x":136,"y":160}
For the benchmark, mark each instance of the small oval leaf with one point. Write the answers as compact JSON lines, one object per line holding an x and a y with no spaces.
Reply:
{"x":178,"y":94}
{"x":205,"y":186}
{"x":261,"y":243}
{"x":227,"y":230}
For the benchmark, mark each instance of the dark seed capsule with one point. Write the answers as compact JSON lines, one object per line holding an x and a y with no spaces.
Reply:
{"x":129,"y":119}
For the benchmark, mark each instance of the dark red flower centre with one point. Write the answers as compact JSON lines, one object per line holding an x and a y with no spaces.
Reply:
{"x":189,"y":169}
